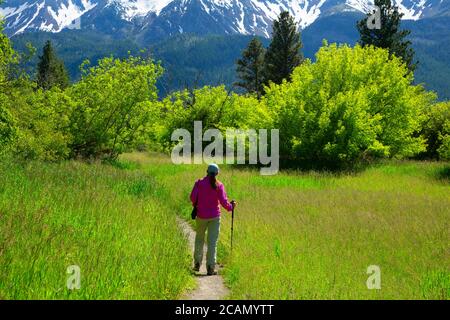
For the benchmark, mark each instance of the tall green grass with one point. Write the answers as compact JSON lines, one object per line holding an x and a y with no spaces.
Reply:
{"x":298,"y":235}
{"x":106,"y":219}
{"x":313,"y":235}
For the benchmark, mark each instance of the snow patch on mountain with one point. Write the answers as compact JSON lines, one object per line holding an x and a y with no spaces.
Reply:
{"x":411,"y":9}
{"x":9,"y":11}
{"x":134,"y":8}
{"x":38,"y":9}
{"x":66,"y":14}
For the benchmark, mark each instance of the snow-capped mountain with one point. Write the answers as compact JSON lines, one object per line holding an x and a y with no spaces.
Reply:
{"x":159,"y":18}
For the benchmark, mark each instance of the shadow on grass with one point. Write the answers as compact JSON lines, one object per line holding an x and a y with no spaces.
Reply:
{"x":123,"y":164}
{"x":443,"y":174}
{"x":327,"y":167}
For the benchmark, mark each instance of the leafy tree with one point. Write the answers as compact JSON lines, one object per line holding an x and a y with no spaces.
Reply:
{"x":51,"y":71}
{"x":113,"y":106}
{"x":7,"y":125}
{"x":283,"y":54}
{"x":250,"y":68}
{"x":389,"y":36}
{"x":352,"y":104}
{"x":436,"y":130}
{"x":7,"y":57}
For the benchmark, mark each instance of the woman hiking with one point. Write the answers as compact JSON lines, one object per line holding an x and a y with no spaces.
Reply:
{"x":207,"y":196}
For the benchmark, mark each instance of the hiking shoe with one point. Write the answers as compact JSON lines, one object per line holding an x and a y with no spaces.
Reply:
{"x":197,"y":267}
{"x":211,"y":271}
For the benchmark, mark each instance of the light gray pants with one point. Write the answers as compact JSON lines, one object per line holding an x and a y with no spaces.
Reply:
{"x":213,"y":227}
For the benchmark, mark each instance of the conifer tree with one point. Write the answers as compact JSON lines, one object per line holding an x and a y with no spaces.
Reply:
{"x":51,"y":70}
{"x":250,"y":68}
{"x":386,"y":32}
{"x":283,"y":54}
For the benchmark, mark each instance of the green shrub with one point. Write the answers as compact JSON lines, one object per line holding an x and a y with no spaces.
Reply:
{"x":7,"y":128}
{"x":213,"y":106}
{"x":42,"y":119}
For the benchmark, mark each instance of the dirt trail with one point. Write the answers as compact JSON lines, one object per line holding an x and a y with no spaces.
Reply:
{"x":208,"y":287}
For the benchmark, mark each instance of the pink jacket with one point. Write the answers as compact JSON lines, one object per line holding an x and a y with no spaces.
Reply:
{"x":208,"y":199}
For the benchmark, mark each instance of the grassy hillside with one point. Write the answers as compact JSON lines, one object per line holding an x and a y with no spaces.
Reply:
{"x":74,"y":46}
{"x":431,"y":41}
{"x":196,"y":60}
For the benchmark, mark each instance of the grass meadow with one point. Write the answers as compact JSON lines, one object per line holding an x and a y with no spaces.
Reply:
{"x":107,"y":220}
{"x":314,"y":235}
{"x":298,"y":235}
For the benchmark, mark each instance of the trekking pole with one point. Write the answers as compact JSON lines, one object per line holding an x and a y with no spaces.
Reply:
{"x":232,"y":216}
{"x":232,"y":228}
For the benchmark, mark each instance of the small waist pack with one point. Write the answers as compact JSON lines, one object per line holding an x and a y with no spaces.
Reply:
{"x":194,"y":212}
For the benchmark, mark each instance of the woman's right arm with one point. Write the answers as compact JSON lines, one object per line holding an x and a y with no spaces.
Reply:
{"x":223,"y":199}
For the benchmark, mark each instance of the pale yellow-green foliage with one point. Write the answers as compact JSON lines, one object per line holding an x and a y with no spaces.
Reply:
{"x":351,"y":104}
{"x":215,"y":107}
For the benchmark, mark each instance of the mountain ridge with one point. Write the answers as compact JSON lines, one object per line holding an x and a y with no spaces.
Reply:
{"x":196,"y":60}
{"x":157,"y":19}
{"x":118,"y":26}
